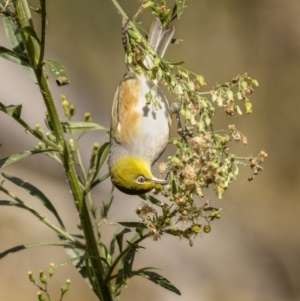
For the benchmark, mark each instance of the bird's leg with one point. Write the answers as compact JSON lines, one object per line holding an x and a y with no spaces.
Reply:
{"x":175,"y":108}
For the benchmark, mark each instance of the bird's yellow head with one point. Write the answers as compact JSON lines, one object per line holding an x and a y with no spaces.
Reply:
{"x":133,"y":175}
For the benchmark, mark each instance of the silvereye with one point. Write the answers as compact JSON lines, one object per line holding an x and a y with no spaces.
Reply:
{"x":140,"y":130}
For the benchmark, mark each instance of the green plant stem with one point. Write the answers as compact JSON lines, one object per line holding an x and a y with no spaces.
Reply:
{"x":132,"y":26}
{"x":36,"y":134}
{"x":102,"y":290}
{"x":79,"y":158}
{"x":43,"y":33}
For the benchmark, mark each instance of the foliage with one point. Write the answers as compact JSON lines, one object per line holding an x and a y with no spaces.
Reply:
{"x":202,"y":157}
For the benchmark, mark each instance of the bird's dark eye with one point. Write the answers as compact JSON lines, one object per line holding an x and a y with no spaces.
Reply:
{"x":140,"y":180}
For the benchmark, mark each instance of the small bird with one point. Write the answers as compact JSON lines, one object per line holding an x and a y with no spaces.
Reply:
{"x":139,"y":131}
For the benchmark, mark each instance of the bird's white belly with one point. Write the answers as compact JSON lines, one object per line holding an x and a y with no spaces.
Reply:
{"x":155,"y":124}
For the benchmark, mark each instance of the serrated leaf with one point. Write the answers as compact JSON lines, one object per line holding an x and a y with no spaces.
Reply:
{"x":119,"y":238}
{"x":12,"y":111}
{"x":73,"y":127}
{"x":17,"y":157}
{"x":36,"y":193}
{"x":158,"y":279}
{"x":30,"y":31}
{"x":57,"y":70}
{"x":14,"y":56}
{"x":33,"y":245}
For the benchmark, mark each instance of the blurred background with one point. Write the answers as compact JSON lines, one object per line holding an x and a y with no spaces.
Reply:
{"x":252,"y":252}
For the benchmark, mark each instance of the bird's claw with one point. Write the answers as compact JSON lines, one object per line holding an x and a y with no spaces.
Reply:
{"x":183,"y":132}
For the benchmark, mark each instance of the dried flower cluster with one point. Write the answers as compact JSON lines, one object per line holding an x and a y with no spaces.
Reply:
{"x":202,"y":157}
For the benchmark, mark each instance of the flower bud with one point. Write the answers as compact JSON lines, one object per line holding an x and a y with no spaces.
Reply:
{"x":207,"y":229}
{"x":196,"y":228}
{"x":43,"y":277}
{"x":72,"y":146}
{"x":31,"y":277}
{"x":39,"y":129}
{"x":51,"y":269}
{"x":248,"y":107}
{"x":88,"y":117}
{"x":51,"y":137}
{"x":65,"y":287}
{"x":72,"y":110}
{"x":65,"y":104}
{"x":41,"y":296}
{"x":148,"y":4}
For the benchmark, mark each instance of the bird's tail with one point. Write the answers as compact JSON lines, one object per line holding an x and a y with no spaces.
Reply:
{"x":159,"y":39}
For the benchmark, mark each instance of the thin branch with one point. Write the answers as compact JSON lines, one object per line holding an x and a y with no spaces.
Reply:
{"x":58,"y":230}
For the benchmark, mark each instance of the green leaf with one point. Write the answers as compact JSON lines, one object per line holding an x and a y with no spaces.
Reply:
{"x":132,"y":224}
{"x":112,"y":246}
{"x":176,"y":41}
{"x":15,"y":40}
{"x":151,"y":199}
{"x":172,"y":63}
{"x":105,"y":206}
{"x":180,"y":7}
{"x":36,"y":193}
{"x":79,"y":263}
{"x":33,"y":245}
{"x":174,"y":187}
{"x":71,"y":260}
{"x":157,"y":279}
{"x":17,"y":43}
{"x":17,"y":157}
{"x":78,"y":259}
{"x":73,"y":127}
{"x":101,"y":179}
{"x":12,"y":111}
{"x":127,"y":264}
{"x":102,"y":155}
{"x":30,"y":31}
{"x":57,"y":70}
{"x":119,"y":238}
{"x":77,"y":235}
{"x":12,"y":204}
{"x":14,"y":56}
{"x":139,"y":27}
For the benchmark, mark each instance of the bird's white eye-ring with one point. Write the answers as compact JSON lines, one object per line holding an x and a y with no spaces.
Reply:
{"x":140,"y":180}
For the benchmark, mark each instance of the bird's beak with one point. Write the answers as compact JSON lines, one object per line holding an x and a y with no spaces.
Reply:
{"x":159,"y":181}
